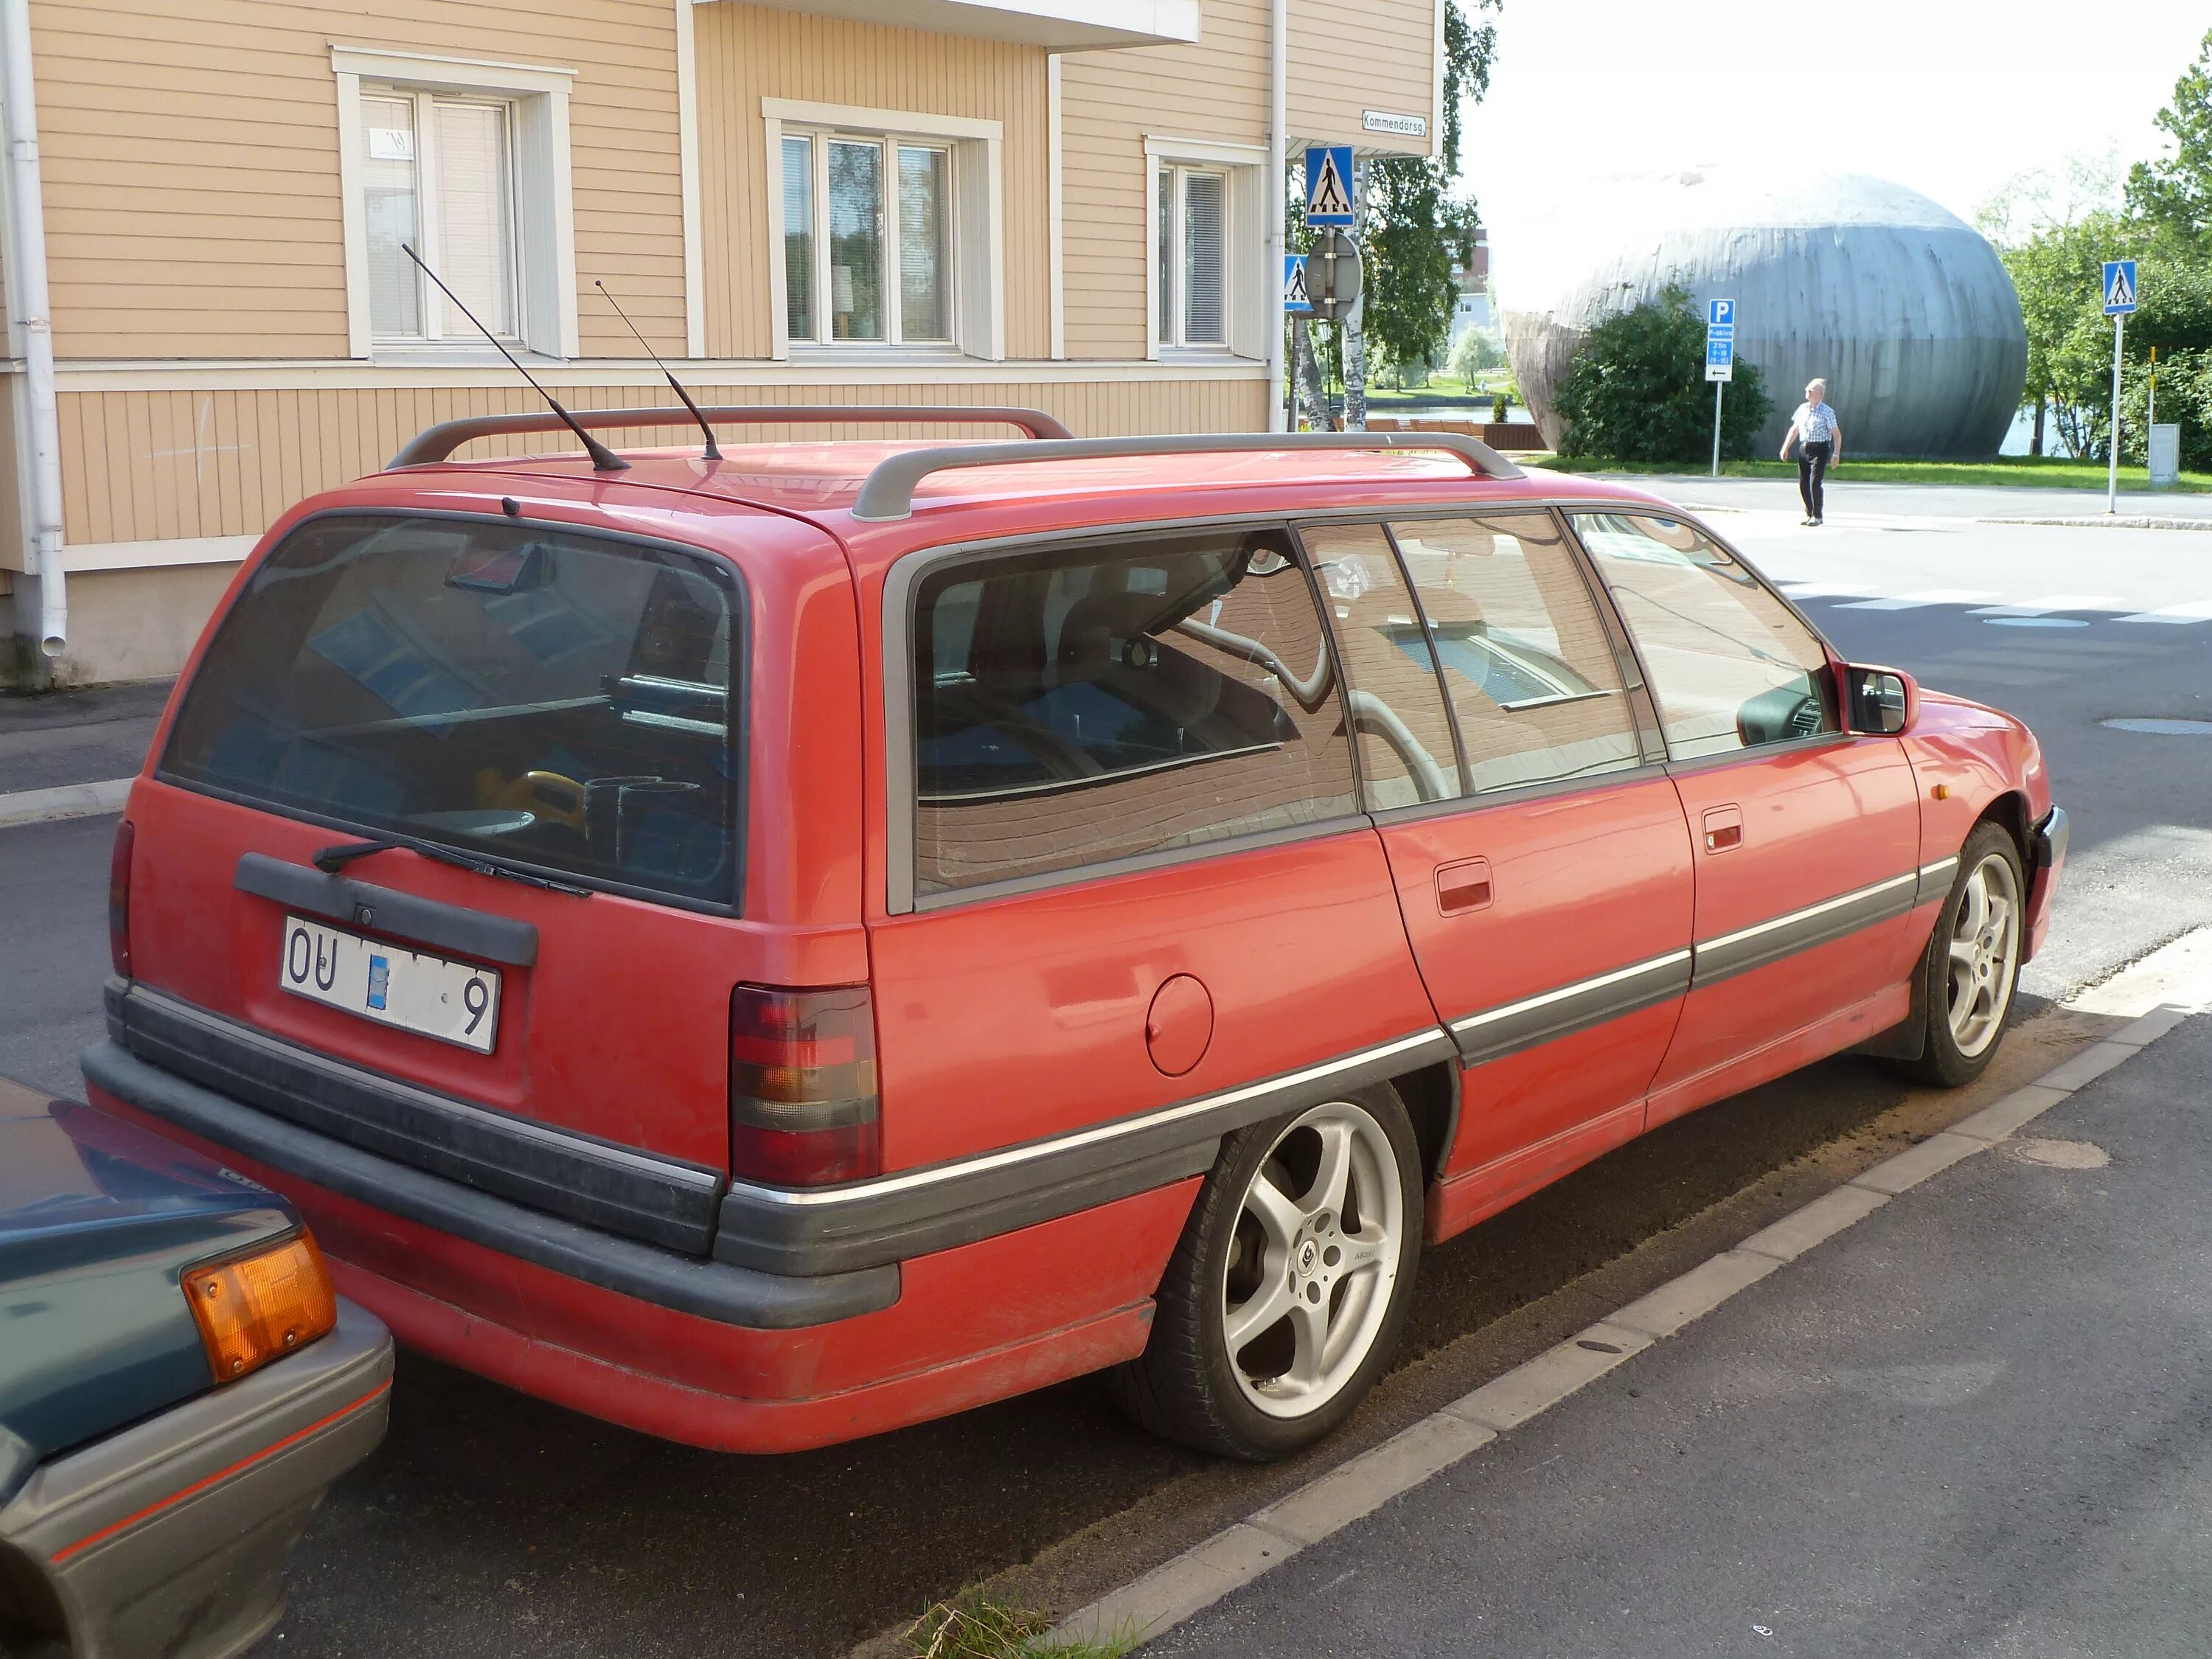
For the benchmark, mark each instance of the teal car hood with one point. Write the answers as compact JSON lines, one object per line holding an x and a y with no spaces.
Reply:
{"x":98,"y":1221}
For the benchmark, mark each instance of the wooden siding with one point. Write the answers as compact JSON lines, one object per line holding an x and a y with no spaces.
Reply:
{"x":148,"y":466}
{"x":1111,"y":103}
{"x":190,"y":156}
{"x":747,"y":53}
{"x":1346,"y":60}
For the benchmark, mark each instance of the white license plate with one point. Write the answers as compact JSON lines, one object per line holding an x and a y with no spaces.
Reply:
{"x":453,"y":1001}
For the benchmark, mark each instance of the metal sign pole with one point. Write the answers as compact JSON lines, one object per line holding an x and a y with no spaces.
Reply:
{"x":2112,"y":478}
{"x":1719,"y":387}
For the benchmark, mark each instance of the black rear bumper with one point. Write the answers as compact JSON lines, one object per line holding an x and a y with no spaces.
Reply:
{"x":722,"y":1291}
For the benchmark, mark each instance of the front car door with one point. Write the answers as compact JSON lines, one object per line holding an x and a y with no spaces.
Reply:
{"x":1806,"y":836}
{"x":1537,"y":847}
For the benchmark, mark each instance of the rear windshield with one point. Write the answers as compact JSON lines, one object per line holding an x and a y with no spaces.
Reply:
{"x":550,"y":701}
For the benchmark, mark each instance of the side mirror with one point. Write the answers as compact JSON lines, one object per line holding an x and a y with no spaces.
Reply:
{"x":1881,"y":701}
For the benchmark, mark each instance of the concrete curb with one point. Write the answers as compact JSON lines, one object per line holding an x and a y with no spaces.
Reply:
{"x":67,"y":801}
{"x":2111,"y":521}
{"x":2159,"y":992}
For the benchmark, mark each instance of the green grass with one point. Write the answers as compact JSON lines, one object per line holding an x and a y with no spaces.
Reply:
{"x":2027,"y":471}
{"x":978,"y":1626}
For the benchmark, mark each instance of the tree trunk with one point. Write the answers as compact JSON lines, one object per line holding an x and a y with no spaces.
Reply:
{"x":1355,"y":324}
{"x":2035,"y":444}
{"x":1306,"y":365}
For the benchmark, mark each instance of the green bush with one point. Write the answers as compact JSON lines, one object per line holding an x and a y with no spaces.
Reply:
{"x":2185,"y":397}
{"x":1637,"y":390}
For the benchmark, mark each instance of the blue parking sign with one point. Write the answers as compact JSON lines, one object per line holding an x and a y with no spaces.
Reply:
{"x":1720,"y":313}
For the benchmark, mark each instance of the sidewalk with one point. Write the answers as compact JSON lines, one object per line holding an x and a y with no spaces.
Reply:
{"x":70,"y":738}
{"x":1977,"y":1424}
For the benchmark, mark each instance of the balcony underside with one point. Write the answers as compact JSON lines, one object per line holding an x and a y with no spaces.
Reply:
{"x":1056,"y":25}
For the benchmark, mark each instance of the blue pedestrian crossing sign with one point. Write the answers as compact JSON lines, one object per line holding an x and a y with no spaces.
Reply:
{"x":2119,"y":288}
{"x":1329,"y":185}
{"x":1297,"y":299}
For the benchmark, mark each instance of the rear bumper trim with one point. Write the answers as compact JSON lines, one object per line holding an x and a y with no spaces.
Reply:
{"x":720,"y":1291}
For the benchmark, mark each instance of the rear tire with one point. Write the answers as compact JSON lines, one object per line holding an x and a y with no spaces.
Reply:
{"x":1972,"y":964}
{"x":1286,"y":1294}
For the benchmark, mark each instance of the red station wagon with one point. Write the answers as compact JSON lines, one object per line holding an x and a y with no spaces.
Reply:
{"x":772,"y":948}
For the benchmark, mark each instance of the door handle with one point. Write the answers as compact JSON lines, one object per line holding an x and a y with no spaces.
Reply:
{"x":1723,"y":828}
{"x":1463,"y":886}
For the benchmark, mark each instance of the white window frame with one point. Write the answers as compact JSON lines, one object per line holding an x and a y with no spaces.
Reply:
{"x":537,"y":98}
{"x":887,"y":145}
{"x":1247,"y":293}
{"x":978,"y":298}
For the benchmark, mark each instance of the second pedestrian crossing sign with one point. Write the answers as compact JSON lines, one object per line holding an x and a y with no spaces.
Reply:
{"x":2119,"y":288}
{"x":1329,"y":185}
{"x":1297,"y":299}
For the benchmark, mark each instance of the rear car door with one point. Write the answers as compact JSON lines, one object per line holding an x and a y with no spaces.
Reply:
{"x":1129,"y":888}
{"x":1806,"y":836}
{"x":1537,"y":850}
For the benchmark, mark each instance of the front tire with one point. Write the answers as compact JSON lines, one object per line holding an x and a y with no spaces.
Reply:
{"x":1972,"y":964}
{"x":1285,"y":1296}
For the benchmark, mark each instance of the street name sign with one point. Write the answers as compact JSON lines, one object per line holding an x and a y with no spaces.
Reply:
{"x":1329,"y":185}
{"x":1297,"y":300}
{"x":2119,"y":288}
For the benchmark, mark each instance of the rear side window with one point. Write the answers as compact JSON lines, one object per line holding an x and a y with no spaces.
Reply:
{"x":1534,"y":682}
{"x":552,"y":700}
{"x":1083,"y":705}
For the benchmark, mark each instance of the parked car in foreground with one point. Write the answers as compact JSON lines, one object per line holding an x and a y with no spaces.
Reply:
{"x":770,"y":949}
{"x":177,"y":1386}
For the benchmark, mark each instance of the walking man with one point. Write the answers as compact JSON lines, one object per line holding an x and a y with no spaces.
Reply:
{"x":1819,"y":439}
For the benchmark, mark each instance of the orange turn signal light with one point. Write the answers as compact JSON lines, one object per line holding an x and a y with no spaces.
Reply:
{"x":254,"y":1308}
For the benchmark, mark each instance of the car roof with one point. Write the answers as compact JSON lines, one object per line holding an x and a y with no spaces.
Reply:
{"x":820,"y":481}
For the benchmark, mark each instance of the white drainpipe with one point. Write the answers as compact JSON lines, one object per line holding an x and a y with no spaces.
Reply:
{"x":26,"y":292}
{"x":1279,"y":50}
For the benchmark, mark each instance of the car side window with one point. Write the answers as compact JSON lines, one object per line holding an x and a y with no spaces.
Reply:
{"x":1127,"y":696}
{"x":1731,"y":667}
{"x":1406,"y":755}
{"x":1535,"y":688}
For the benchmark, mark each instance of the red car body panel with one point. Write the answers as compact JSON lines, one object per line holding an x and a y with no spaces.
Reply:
{"x":1011,"y":1026}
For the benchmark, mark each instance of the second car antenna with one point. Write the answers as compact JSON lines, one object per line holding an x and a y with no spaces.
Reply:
{"x":674,"y":385}
{"x":603,"y":458}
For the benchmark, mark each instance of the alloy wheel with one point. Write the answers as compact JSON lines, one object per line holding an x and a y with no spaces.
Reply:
{"x":1307,"y":1283}
{"x":1984,"y":952}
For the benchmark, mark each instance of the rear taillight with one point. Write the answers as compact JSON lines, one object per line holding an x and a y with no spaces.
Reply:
{"x":119,"y":898}
{"x":254,"y":1308}
{"x":803,"y":1085}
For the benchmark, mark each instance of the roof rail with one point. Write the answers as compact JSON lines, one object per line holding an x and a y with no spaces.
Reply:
{"x":888,"y":495}
{"x":435,"y":443}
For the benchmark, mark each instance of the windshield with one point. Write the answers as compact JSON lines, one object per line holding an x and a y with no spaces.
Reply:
{"x":544,"y":699}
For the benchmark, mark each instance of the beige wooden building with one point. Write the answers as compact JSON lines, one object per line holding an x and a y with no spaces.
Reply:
{"x":1065,"y":203}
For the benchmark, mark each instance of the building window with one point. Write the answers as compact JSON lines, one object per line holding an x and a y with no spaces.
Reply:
{"x":868,"y":237}
{"x":439,"y":176}
{"x":1193,"y":280}
{"x":467,"y":162}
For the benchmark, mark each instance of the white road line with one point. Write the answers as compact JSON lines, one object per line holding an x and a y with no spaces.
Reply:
{"x":2050,"y":602}
{"x":2197,"y":611}
{"x":1932,"y":596}
{"x":1825,"y":590}
{"x":2156,"y":995}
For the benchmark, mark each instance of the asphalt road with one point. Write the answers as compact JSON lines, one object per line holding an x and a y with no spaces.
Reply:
{"x":1974,"y":1425}
{"x":493,"y":1524}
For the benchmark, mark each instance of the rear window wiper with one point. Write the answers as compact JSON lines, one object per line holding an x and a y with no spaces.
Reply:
{"x":334,"y":858}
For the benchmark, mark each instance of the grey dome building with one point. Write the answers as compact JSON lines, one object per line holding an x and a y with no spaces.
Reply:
{"x":1906,"y":310}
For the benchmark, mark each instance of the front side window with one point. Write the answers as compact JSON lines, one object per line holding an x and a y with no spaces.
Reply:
{"x":867,"y":239}
{"x":1535,"y":688}
{"x":1731,"y":665}
{"x":439,"y":175}
{"x":1156,"y":692}
{"x":1192,"y":279}
{"x":554,"y":702}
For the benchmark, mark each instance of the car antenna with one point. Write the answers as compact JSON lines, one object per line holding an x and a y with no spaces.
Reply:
{"x":603,"y":458}
{"x":675,"y":385}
